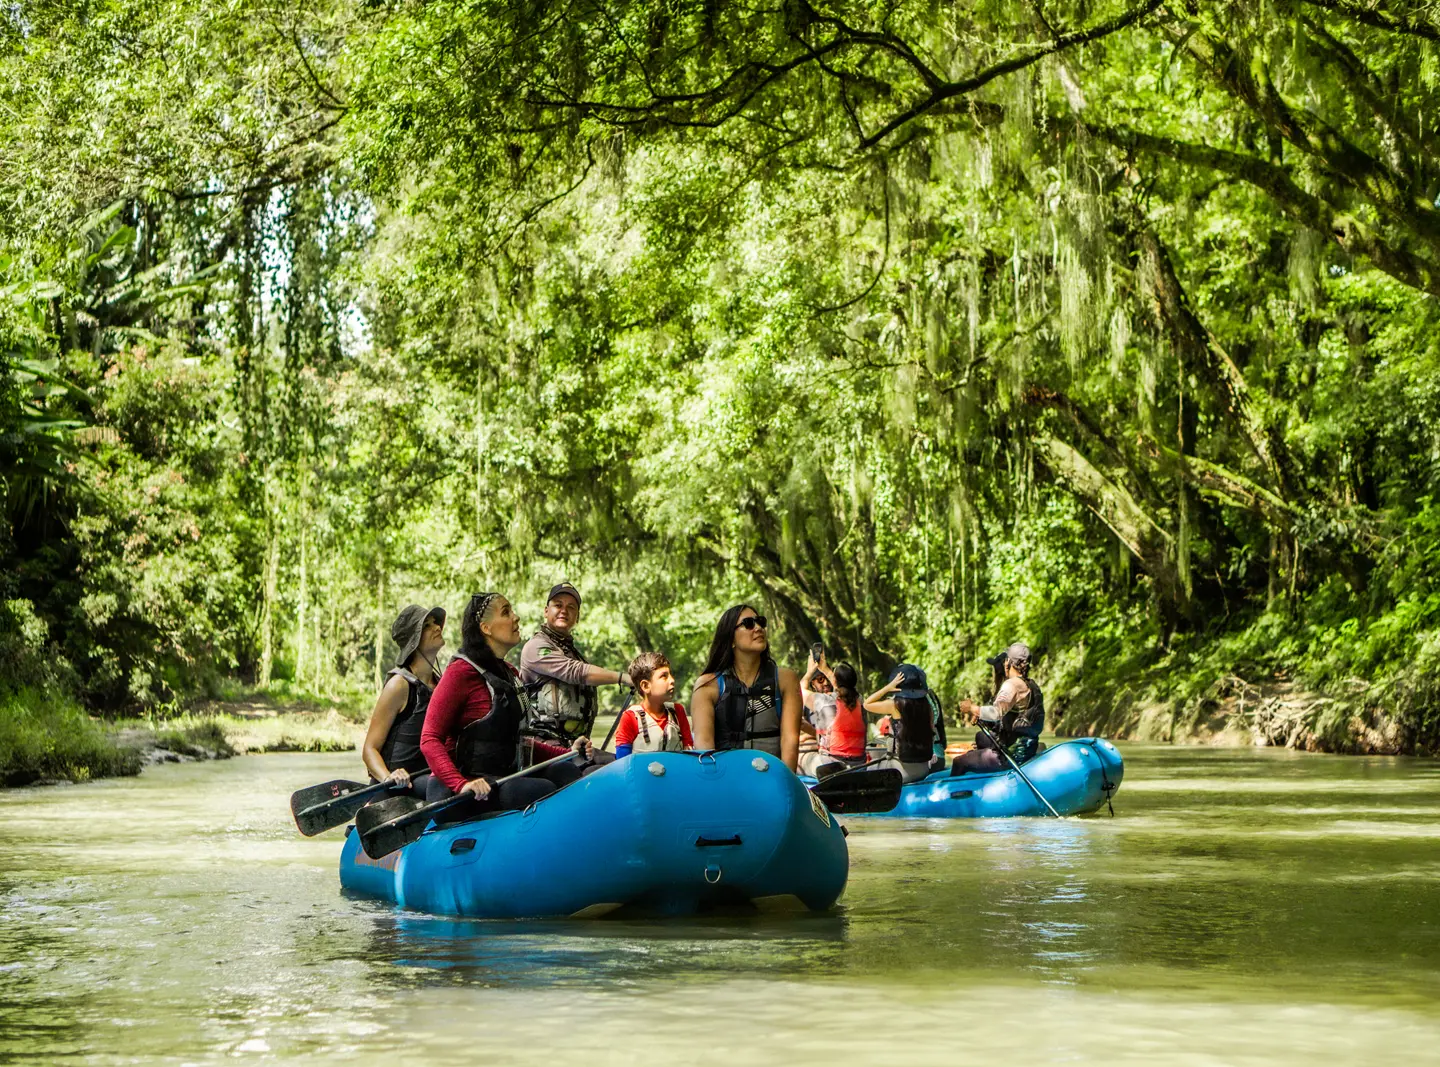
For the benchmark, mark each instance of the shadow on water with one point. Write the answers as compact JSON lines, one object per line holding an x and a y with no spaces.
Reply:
{"x":611,"y":950}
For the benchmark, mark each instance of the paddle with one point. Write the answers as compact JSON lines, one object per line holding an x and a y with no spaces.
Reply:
{"x":392,"y":824}
{"x":615,"y":725}
{"x":1023,"y":777}
{"x":320,"y":807}
{"x":859,"y":791}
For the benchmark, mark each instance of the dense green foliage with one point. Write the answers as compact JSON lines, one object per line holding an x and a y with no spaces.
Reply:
{"x":1106,"y":326}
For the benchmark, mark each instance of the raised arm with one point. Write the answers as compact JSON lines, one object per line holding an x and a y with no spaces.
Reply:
{"x":812,"y":668}
{"x":880,"y":701}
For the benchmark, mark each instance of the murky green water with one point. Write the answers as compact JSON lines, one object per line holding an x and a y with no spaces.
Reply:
{"x":1242,"y":907}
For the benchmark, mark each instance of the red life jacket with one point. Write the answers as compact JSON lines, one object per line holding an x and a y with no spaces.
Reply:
{"x":846,"y":736}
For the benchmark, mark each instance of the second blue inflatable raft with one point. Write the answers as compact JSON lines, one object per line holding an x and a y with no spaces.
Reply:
{"x":669,"y":833}
{"x":1075,"y":776}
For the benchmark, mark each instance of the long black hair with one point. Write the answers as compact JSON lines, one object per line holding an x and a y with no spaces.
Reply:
{"x":925,"y":709}
{"x":473,"y":645}
{"x":722,"y":648}
{"x":845,"y":682}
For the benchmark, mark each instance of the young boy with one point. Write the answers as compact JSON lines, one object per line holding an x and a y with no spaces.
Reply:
{"x":655,"y":724}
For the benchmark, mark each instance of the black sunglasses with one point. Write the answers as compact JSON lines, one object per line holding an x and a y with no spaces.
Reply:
{"x":750,"y":623}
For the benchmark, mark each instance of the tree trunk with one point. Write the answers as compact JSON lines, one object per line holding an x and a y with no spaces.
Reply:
{"x":272,"y":583}
{"x":380,"y":629}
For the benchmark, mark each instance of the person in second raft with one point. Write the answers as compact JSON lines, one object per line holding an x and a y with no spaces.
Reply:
{"x":391,"y":749}
{"x":744,"y":699}
{"x":836,"y":714}
{"x":471,"y":735}
{"x":656,"y":724}
{"x":920,"y":738}
{"x":1016,"y":719}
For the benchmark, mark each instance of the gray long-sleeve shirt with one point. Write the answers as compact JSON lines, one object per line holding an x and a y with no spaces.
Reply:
{"x":542,"y":659}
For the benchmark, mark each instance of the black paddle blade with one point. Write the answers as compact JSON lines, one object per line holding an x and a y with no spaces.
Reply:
{"x":861,"y":792}
{"x":387,"y":825}
{"x":320,"y":807}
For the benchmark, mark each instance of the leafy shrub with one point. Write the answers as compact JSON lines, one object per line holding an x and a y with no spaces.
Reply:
{"x":44,"y":735}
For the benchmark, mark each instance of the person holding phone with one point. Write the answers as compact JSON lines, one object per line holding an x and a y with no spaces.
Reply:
{"x":836,"y":715}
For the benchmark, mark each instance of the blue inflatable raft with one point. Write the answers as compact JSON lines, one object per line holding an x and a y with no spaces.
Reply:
{"x":1076,"y":776}
{"x":668,"y":833}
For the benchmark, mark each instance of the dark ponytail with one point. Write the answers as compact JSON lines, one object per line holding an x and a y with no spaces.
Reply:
{"x":845,"y":682}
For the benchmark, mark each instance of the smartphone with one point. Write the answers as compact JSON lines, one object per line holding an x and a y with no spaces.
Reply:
{"x":817,"y":651}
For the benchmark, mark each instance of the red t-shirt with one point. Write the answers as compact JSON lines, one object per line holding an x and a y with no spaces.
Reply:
{"x":460,"y":698}
{"x":629,"y":727}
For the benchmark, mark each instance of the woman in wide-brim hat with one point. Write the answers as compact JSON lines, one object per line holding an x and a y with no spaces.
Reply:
{"x":391,"y":750}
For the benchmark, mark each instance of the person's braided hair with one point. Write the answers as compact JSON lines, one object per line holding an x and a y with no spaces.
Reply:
{"x":473,"y":645}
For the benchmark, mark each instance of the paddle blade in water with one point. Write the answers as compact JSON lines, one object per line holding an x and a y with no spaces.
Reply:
{"x":861,"y":792}
{"x":330,"y":804}
{"x":387,"y":825}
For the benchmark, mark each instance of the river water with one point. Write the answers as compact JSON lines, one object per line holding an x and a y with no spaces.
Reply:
{"x":1241,"y":907}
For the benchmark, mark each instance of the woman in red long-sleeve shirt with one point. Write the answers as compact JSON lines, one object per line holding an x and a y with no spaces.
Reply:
{"x":472,"y":729}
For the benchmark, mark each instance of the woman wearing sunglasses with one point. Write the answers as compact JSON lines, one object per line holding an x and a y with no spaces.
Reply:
{"x":744,"y":699}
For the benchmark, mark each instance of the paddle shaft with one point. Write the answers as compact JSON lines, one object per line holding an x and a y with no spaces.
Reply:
{"x":426,"y":812}
{"x":616,"y":724}
{"x":1023,"y":776}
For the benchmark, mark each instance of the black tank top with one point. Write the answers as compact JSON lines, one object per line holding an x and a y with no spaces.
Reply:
{"x":402,"y":743}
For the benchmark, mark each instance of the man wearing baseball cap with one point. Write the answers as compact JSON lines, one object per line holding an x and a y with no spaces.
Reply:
{"x":557,"y":678}
{"x":1015,"y":720}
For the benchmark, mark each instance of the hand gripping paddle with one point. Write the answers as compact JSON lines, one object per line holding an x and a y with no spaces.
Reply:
{"x":392,"y":824}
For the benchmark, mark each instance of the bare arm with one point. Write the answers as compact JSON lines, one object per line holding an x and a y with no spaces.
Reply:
{"x":811,"y":669}
{"x":789,"y":719}
{"x":702,"y":712}
{"x":879,"y":702}
{"x":392,"y":698}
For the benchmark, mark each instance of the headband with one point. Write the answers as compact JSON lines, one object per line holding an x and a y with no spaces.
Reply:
{"x":481,"y":602}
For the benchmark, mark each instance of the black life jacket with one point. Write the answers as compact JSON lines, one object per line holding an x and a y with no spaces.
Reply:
{"x":492,"y":745}
{"x":1024,"y":722}
{"x":402,"y":743}
{"x":748,"y":716}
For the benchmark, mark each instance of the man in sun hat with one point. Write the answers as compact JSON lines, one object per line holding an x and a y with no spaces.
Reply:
{"x":557,"y":678}
{"x":1014,"y":720}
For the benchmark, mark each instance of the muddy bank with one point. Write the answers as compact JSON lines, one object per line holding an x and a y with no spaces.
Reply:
{"x":1238,"y":711}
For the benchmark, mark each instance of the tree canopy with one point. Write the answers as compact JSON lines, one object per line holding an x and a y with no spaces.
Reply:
{"x":1108,"y":326}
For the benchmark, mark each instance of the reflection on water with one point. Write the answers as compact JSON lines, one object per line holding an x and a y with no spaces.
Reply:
{"x":1241,"y":906}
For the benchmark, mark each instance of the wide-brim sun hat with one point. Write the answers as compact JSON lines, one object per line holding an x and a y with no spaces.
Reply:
{"x":410,"y":626}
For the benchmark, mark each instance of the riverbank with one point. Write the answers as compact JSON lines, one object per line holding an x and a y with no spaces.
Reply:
{"x":1232,"y":693}
{"x":45,"y":737}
